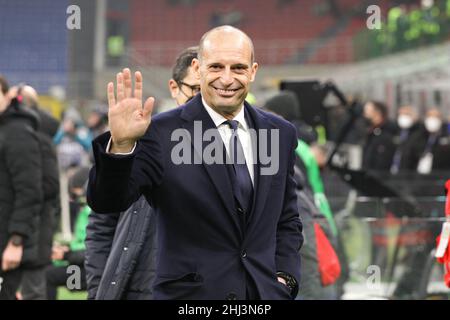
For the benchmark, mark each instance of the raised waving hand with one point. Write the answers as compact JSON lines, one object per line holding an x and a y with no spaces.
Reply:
{"x":128,"y":118}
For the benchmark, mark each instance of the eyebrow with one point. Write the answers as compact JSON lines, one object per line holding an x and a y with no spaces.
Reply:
{"x":214,"y":64}
{"x":237,"y":65}
{"x":240,"y":65}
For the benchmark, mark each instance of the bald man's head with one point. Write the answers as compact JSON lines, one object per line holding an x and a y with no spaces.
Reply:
{"x":225,"y":68}
{"x":28,"y":93}
{"x":221,"y":32}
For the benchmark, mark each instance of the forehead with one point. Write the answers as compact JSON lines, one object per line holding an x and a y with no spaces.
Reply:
{"x":434,"y":112}
{"x":227,"y":48}
{"x":368,"y":106}
{"x":405,"y":110}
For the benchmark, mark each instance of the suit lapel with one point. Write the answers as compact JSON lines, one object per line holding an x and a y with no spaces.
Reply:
{"x":262,"y":182}
{"x":193,"y":115}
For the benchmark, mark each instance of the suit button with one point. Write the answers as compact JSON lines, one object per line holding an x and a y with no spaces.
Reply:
{"x":244,"y":254}
{"x":231,"y":296}
{"x":240,"y":210}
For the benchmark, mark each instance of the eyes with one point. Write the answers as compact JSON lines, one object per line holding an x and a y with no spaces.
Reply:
{"x":215,"y":67}
{"x":238,"y":68}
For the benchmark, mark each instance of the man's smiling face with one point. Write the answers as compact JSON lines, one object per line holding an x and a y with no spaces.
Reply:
{"x":225,"y":69}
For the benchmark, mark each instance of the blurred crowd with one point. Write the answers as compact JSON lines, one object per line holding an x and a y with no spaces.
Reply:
{"x":408,"y":25}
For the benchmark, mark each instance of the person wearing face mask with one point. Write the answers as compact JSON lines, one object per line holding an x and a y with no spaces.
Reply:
{"x":184,"y":85}
{"x":378,"y":153}
{"x":379,"y":147}
{"x":427,"y":152}
{"x":429,"y":149}
{"x":407,"y":125}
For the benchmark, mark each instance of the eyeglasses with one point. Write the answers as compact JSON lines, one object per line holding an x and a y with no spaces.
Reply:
{"x":194,"y":88}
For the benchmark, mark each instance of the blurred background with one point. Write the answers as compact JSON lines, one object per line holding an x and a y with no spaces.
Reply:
{"x":334,"y":55}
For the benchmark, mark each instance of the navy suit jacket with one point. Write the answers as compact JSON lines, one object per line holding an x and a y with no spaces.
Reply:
{"x":204,"y":249}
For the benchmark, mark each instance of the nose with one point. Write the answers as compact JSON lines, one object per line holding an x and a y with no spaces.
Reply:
{"x":226,"y":77}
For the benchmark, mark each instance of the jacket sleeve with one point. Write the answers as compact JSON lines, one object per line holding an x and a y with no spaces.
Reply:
{"x":75,"y":257}
{"x":116,"y":181}
{"x":99,"y":238}
{"x":23,"y":161}
{"x":289,"y":228}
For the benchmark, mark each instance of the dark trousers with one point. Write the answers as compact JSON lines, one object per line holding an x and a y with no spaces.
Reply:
{"x":57,"y":277}
{"x":9,"y":283}
{"x":34,"y":284}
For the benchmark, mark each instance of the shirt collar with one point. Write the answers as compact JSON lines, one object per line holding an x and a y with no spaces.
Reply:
{"x":218,"y":119}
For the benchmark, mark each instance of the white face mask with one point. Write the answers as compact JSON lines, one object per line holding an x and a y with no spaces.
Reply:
{"x":405,"y":121}
{"x":433,"y":124}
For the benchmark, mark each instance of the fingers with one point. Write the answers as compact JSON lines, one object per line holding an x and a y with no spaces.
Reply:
{"x":138,"y":85}
{"x":124,"y":87}
{"x":120,"y":87}
{"x":128,"y":84}
{"x":111,"y":96}
{"x":9,"y":265}
{"x":148,"y":107}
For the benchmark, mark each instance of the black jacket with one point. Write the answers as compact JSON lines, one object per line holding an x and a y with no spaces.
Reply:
{"x":440,"y":149}
{"x":379,"y":148}
{"x":402,"y":139}
{"x":50,"y":186}
{"x":121,"y":253}
{"x":21,"y":194}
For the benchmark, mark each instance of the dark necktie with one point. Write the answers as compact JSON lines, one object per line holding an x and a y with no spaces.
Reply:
{"x":244,"y":186}
{"x":395,"y":168}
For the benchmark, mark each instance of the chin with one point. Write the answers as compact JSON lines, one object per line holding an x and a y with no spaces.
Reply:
{"x":228,"y":107}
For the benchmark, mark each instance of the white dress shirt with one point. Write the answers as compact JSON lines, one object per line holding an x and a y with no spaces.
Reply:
{"x":226,"y":132}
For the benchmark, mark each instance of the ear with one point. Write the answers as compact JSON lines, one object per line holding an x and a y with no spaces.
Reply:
{"x":173,"y":88}
{"x":254,"y":69}
{"x":195,"y":65}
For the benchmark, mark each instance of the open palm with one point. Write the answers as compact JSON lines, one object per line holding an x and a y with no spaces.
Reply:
{"x":128,"y":119}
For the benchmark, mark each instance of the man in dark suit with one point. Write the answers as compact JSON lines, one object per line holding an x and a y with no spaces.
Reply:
{"x":226,"y":229}
{"x":379,"y":147}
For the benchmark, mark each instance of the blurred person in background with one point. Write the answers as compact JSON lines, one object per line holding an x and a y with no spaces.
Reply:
{"x":312,"y":202}
{"x":287,"y":106}
{"x":109,"y":234}
{"x":378,"y":152}
{"x":73,"y":141}
{"x":97,"y":121}
{"x":379,"y":148}
{"x":428,"y":153}
{"x":21,"y":195}
{"x":97,"y":124}
{"x":73,"y":254}
{"x":184,"y":85}
{"x":448,"y":126}
{"x":407,"y":125}
{"x":429,"y":150}
{"x":33,"y":285}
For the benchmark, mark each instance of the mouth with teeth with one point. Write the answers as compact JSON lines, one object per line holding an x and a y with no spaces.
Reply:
{"x":225,"y":92}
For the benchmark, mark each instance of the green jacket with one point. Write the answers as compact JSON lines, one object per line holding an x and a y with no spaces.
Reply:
{"x":81,"y":222}
{"x":315,"y":180}
{"x":77,"y":245}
